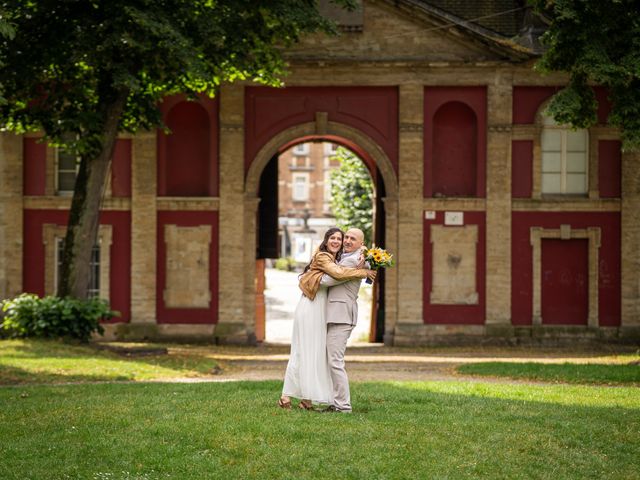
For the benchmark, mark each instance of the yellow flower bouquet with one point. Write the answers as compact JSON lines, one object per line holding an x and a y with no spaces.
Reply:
{"x":378,"y":258}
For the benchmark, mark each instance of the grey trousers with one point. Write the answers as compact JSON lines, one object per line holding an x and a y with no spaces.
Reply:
{"x":337,"y":336}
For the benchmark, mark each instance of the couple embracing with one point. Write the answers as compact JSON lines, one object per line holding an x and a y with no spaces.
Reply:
{"x":324,"y":318}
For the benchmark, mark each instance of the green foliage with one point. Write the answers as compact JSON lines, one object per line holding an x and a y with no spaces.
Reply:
{"x":285,"y":263}
{"x":50,"y":317}
{"x":352,"y":194}
{"x":64,"y":62}
{"x":595,"y":42}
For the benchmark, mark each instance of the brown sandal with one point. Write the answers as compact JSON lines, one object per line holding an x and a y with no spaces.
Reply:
{"x":305,"y":406}
{"x":284,"y":404}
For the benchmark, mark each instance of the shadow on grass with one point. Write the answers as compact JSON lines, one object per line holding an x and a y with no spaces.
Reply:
{"x":10,"y":375}
{"x":51,"y":361}
{"x":552,"y":372}
{"x":398,"y":430}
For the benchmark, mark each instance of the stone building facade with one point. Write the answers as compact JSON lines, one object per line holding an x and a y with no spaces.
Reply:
{"x":503,"y":223}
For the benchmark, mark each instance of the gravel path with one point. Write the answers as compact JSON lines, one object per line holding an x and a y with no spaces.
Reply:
{"x":378,"y":363}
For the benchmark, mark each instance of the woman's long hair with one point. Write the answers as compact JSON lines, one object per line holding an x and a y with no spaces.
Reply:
{"x":323,"y":246}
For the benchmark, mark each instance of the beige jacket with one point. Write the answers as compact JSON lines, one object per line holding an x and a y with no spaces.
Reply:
{"x":342,"y":297}
{"x":321,"y":263}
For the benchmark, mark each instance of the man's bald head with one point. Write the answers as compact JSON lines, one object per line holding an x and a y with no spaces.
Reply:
{"x":353,"y":240}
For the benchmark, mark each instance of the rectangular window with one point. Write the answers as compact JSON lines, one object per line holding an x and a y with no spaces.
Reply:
{"x":330,"y":149}
{"x":94,"y":266}
{"x":301,"y":149}
{"x":300,"y":188}
{"x":67,"y":165}
{"x":564,"y":161}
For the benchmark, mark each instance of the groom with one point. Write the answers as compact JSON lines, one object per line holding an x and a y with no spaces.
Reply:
{"x":342,"y":315}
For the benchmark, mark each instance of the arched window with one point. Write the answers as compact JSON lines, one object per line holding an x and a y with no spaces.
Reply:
{"x":564,"y":158}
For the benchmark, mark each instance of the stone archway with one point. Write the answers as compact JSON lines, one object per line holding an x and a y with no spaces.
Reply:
{"x":320,"y":128}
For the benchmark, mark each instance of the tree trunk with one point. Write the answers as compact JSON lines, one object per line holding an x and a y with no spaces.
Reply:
{"x":82,"y":228}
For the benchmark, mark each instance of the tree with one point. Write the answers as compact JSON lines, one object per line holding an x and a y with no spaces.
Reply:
{"x":595,"y":42}
{"x":80,"y":71}
{"x":352,"y":193}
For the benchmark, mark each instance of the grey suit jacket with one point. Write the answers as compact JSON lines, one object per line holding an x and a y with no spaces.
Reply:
{"x":342,"y":306}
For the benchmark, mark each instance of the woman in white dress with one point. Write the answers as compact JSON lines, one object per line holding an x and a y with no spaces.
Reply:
{"x":307,"y":377}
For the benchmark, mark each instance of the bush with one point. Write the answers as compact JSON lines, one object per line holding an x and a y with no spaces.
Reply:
{"x":50,"y":317}
{"x":287,"y":264}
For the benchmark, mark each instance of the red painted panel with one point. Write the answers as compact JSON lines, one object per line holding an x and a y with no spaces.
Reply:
{"x":35,"y":166}
{"x":455,"y":314}
{"x":521,"y":168}
{"x":120,"y":281}
{"x":121,"y":169}
{"x":475,"y":99}
{"x":187,"y":166}
{"x":565,"y":282}
{"x":604,"y":104}
{"x":454,"y":152}
{"x":188,"y":157}
{"x":33,"y":254}
{"x":527,"y":101}
{"x":609,"y":168}
{"x":187,"y":315}
{"x":371,"y":110}
{"x":609,"y":256}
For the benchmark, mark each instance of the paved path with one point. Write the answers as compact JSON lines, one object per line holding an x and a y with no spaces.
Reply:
{"x":378,"y":363}
{"x":281,"y":296}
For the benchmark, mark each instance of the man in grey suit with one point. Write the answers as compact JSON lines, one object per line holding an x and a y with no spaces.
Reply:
{"x":342,"y":315}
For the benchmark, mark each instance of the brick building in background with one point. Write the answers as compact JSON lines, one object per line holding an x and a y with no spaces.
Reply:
{"x":304,"y":198}
{"x":503,"y":224}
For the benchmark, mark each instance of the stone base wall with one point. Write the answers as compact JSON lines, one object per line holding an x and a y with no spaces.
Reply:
{"x":537,"y":335}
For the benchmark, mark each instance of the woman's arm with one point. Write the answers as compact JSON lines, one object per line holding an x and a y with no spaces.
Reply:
{"x":324,"y":262}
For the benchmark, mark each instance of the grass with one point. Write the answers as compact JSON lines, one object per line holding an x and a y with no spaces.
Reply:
{"x":233,"y":430}
{"x":399,"y":430}
{"x":611,"y":373}
{"x":42,"y":361}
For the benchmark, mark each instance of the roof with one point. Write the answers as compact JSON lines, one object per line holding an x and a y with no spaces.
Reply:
{"x":506,"y":21}
{"x":503,"y":17}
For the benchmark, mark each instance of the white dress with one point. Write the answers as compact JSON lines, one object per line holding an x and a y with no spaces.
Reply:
{"x":307,"y":376}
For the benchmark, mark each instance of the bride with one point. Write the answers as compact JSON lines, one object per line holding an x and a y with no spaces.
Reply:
{"x":307,"y":377}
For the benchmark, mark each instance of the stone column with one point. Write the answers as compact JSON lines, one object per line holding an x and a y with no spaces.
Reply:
{"x":630,"y":240}
{"x":409,"y":269}
{"x":236,"y":267}
{"x":143,"y":228}
{"x":498,"y":206}
{"x":11,"y":215}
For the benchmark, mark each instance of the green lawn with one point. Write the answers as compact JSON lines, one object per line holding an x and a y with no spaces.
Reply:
{"x":558,"y":372}
{"x":48,"y":361}
{"x":232,"y":430}
{"x":399,"y":430}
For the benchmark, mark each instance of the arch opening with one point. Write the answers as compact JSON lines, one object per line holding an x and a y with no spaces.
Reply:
{"x":302,"y":170}
{"x":383,"y":177}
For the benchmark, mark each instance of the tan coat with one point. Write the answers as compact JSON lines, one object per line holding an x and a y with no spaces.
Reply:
{"x":321,"y":263}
